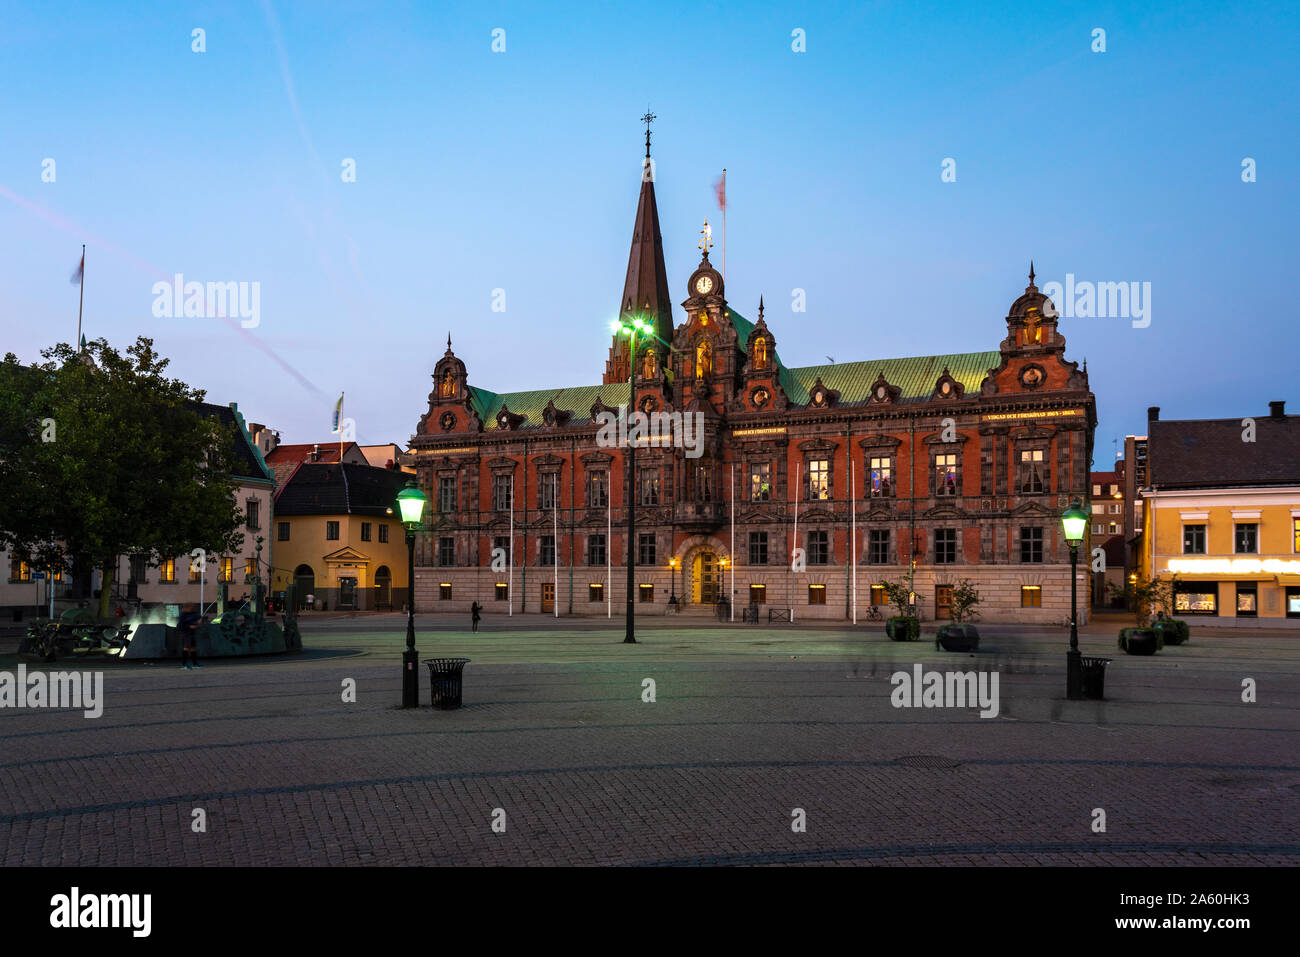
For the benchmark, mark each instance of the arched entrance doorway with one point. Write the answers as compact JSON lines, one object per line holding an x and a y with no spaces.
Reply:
{"x":383,"y":588}
{"x":304,"y":584}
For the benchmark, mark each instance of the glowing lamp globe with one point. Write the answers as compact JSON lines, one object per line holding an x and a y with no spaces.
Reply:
{"x":411,"y":502}
{"x":1073,"y":521}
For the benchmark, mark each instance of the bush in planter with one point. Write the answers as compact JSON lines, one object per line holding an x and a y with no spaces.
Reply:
{"x":903,"y":628}
{"x":1140,"y":641}
{"x":957,"y":637}
{"x":1173,"y":631}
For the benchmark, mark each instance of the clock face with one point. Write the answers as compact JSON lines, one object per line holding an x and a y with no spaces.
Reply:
{"x":703,"y":284}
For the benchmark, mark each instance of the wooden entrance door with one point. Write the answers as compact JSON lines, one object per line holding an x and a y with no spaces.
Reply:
{"x":708,"y":578}
{"x":548,"y":596}
{"x":942,"y":602}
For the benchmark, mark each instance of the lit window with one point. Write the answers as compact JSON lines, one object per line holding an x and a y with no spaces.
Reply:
{"x":758,"y":594}
{"x":1031,"y":471}
{"x":945,"y":474}
{"x":1031,"y":596}
{"x":649,"y":486}
{"x":250,"y":569}
{"x":760,"y":482}
{"x":444,"y":591}
{"x":816,"y":594}
{"x":878,"y":595}
{"x":819,"y":480}
{"x":228,"y":569}
{"x":596,"y":592}
{"x":881,"y":477}
{"x":503,"y":591}
{"x":647,"y":592}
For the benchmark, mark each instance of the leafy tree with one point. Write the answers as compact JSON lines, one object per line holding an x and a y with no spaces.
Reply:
{"x":898,"y":593}
{"x":1147,"y":597}
{"x":101,"y":455}
{"x":964,"y":599}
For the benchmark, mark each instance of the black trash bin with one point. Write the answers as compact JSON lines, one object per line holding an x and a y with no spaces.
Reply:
{"x":1094,"y":677}
{"x":445,"y":679}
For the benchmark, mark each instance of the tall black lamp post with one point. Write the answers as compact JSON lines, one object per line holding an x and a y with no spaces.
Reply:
{"x":630,"y":328}
{"x":1073,"y":521}
{"x":410,"y":501}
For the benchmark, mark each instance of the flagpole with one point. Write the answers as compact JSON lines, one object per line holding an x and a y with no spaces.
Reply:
{"x":510,"y":579}
{"x":341,"y":394}
{"x":81,"y":296}
{"x":853,"y":535}
{"x":798,"y":475}
{"x":555,"y":542}
{"x":724,"y":232}
{"x":609,"y":549}
{"x":733,"y":538}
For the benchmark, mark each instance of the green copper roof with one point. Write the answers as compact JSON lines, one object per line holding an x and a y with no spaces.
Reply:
{"x":577,"y":400}
{"x":915,"y":376}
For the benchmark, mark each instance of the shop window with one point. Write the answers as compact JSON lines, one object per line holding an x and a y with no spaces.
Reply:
{"x":1247,"y":600}
{"x":1200,"y":598}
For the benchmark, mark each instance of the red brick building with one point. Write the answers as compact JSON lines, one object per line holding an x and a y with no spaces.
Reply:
{"x":960,"y":463}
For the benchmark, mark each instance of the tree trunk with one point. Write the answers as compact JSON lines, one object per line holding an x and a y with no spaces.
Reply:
{"x":106,"y":587}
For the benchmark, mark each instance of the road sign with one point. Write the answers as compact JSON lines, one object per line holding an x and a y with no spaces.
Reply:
{"x":38,"y":576}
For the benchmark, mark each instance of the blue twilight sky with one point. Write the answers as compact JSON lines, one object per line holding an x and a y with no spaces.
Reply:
{"x":519,"y":171}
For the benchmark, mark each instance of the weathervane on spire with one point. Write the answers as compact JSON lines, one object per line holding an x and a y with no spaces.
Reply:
{"x":647,"y":120}
{"x":706,"y":237}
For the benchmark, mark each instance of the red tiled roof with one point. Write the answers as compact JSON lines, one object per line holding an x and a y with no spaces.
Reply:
{"x":329,"y":452}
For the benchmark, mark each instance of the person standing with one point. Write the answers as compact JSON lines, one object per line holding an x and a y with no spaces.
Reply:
{"x":475,"y":612}
{"x":188,"y":626}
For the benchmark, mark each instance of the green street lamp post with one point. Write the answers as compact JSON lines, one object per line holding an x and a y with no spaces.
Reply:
{"x":630,"y":328}
{"x":1073,"y":522}
{"x":410,"y":501}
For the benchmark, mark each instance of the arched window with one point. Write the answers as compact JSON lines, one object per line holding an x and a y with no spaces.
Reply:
{"x":760,"y":353}
{"x":703,"y":359}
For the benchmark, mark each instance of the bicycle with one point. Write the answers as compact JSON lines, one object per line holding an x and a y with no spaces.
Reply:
{"x":873,"y":613}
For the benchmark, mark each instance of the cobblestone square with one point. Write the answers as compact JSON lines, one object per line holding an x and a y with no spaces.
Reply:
{"x":748,"y":725}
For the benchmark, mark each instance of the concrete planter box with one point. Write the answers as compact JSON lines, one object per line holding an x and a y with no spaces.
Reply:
{"x":957,"y":638}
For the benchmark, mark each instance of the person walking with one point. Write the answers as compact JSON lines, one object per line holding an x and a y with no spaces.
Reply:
{"x":475,"y":613}
{"x":188,"y":626}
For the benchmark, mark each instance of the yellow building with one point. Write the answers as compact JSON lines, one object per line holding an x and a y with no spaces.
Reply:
{"x":1222,"y":513}
{"x":337,"y":541}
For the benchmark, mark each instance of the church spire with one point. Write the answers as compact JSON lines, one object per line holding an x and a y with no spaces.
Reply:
{"x":645,"y":288}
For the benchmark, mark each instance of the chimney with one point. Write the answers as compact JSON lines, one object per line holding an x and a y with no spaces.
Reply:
{"x":1275,"y":411}
{"x":1153,"y":413}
